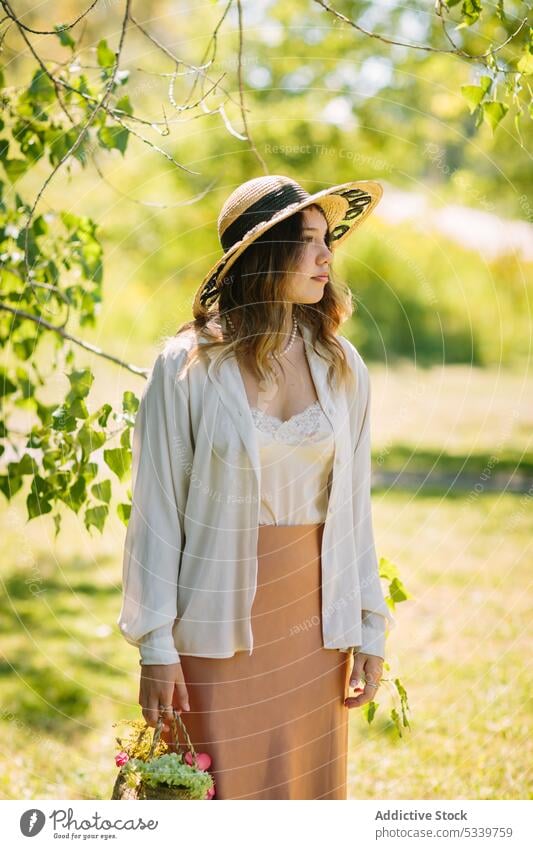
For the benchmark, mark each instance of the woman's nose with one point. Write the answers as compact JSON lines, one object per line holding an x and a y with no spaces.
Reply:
{"x":326,"y":254}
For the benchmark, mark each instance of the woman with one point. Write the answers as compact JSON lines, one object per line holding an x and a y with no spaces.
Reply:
{"x":250,"y":572}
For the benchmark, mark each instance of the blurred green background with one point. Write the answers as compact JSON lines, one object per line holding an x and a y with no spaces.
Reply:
{"x":441,"y":275}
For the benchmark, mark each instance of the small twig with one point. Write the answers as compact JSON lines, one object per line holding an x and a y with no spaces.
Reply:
{"x":241,"y":92}
{"x":386,"y":40}
{"x":16,"y":21}
{"x":171,"y":55}
{"x":48,"y":31}
{"x":151,"y":204}
{"x":79,"y":138}
{"x":212,"y":41}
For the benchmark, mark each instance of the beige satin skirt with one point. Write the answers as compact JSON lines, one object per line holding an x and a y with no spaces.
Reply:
{"x":274,"y":722}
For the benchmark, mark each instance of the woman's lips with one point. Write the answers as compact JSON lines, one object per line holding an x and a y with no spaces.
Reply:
{"x":323,"y":277}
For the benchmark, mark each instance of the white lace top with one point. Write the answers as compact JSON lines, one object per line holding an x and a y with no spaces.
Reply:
{"x":296,"y":463}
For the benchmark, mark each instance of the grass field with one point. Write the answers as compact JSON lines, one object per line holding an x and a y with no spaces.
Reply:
{"x":462,"y":644}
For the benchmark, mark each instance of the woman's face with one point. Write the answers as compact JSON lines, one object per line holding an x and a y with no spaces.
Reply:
{"x":307,"y":280}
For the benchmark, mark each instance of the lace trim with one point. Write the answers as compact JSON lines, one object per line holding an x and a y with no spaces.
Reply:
{"x":304,"y":425}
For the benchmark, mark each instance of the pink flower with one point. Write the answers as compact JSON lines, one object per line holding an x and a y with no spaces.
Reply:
{"x":121,"y":758}
{"x":210,"y":793}
{"x":203,"y":760}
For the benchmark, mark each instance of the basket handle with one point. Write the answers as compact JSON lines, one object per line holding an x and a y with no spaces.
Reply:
{"x":176,"y":718}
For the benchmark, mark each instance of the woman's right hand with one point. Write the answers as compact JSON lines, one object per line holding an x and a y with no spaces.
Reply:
{"x":162,"y":684}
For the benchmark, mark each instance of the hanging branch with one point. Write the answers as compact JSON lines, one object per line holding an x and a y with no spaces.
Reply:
{"x":37,"y":319}
{"x":88,"y":122}
{"x":427,"y":47}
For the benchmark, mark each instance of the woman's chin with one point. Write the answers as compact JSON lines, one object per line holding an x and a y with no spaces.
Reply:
{"x":312,"y":295}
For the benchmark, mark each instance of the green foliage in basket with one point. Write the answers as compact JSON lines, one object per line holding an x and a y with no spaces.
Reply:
{"x":137,"y":744}
{"x":169,"y":770}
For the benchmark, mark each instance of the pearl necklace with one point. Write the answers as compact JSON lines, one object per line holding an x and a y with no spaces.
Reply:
{"x":287,"y":348}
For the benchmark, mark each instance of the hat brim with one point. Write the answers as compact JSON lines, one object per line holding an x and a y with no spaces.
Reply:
{"x":345,"y":207}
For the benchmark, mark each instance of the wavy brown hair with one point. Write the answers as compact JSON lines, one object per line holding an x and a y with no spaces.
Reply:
{"x":253,"y":295}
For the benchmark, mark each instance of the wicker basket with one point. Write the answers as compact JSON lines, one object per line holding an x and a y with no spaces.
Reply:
{"x":125,"y":789}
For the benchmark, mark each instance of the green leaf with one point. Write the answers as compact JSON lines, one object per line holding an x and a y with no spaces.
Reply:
{"x":64,"y":36}
{"x":9,"y":485}
{"x":6,"y":386}
{"x":104,"y":55}
{"x":57,"y":524}
{"x":525,"y":64}
{"x":77,"y":494}
{"x":39,"y":226}
{"x":102,"y":491}
{"x":24,"y":348}
{"x":103,"y":414}
{"x":96,"y":516}
{"x":24,"y":466}
{"x":90,"y":470}
{"x":396,"y":720}
{"x":37,"y":506}
{"x":397,"y":591}
{"x":517,"y":119}
{"x":61,"y":141}
{"x":471,"y":10}
{"x":30,"y":140}
{"x":52,"y":459}
{"x":114,"y":137}
{"x":118,"y":460}
{"x":486,"y":83}
{"x":78,"y":409}
{"x":369,"y":710}
{"x":80,"y":383}
{"x":26,"y":386}
{"x":15,"y":168}
{"x":124,"y":105}
{"x":493,"y":112}
{"x":90,"y":440}
{"x":45,"y":412}
{"x":41,"y":87}
{"x":473,"y":94}
{"x":130,"y":402}
{"x":62,"y":420}
{"x":500,"y":11}
{"x":124,"y":512}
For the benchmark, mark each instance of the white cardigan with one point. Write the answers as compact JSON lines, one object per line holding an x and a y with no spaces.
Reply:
{"x":190,"y":556}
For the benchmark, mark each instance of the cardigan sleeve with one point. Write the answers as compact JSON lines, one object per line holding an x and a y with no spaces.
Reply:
{"x":161,"y":452}
{"x":375,"y":611}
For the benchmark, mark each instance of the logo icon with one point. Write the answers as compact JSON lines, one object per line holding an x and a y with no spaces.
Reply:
{"x":32,"y":822}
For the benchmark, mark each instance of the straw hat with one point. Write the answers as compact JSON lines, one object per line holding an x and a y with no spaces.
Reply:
{"x":259,"y":204}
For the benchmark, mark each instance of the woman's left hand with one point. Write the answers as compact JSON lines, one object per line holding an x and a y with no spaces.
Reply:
{"x":372,"y":667}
